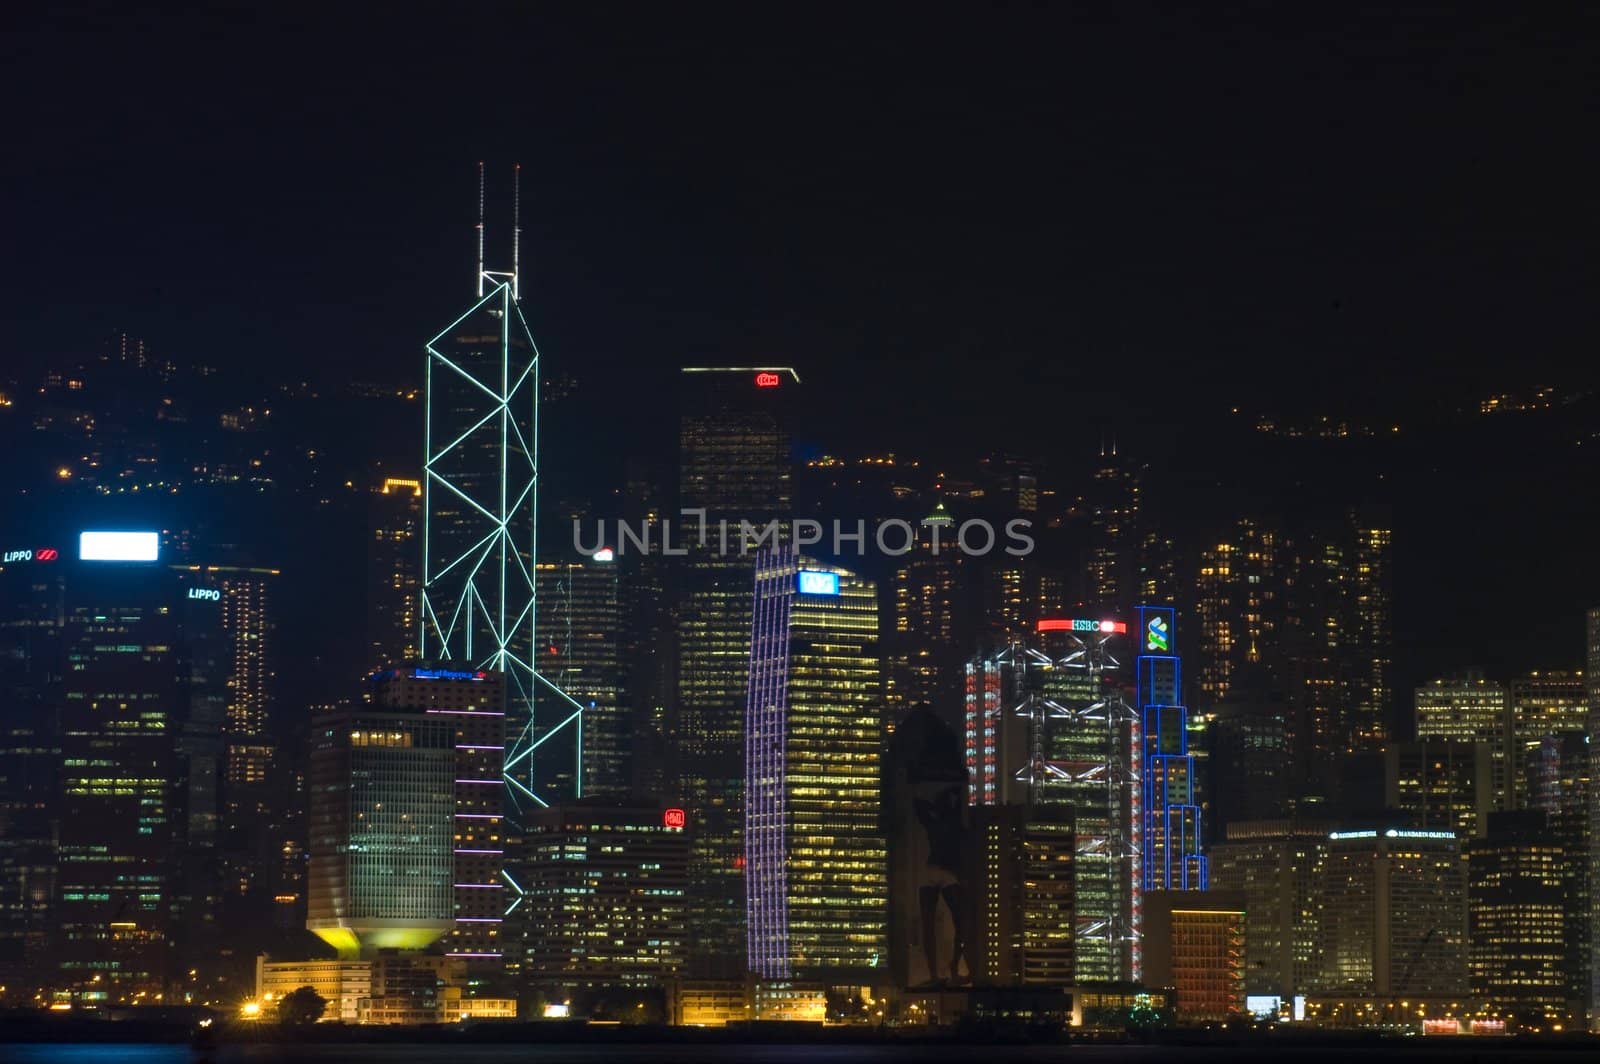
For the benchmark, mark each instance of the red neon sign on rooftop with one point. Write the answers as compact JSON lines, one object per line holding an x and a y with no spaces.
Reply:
{"x":1079,"y":625}
{"x":674,"y":818}
{"x":766,"y":380}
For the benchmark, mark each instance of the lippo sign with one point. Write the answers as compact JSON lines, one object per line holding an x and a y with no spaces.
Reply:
{"x":36,"y":554}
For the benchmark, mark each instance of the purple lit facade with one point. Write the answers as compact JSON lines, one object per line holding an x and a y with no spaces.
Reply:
{"x":474,"y":703}
{"x":815,"y":868}
{"x":766,"y":732}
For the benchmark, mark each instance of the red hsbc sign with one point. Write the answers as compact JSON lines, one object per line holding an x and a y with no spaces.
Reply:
{"x":766,"y":380}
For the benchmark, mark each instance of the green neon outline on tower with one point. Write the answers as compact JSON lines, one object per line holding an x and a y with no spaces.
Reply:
{"x":481,"y":505}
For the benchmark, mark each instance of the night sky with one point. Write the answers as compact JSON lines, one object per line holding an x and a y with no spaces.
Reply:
{"x":1019,"y":226}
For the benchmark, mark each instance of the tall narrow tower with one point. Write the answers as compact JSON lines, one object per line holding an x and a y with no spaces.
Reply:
{"x":480,"y":502}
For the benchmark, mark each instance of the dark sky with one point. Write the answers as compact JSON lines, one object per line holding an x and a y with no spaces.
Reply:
{"x":936,"y":204}
{"x":1013,"y":224}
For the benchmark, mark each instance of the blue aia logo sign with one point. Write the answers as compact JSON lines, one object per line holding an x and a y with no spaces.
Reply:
{"x":1155,"y":634}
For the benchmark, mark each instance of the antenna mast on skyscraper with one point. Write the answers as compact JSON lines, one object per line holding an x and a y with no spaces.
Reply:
{"x":516,"y":226}
{"x":480,"y":229}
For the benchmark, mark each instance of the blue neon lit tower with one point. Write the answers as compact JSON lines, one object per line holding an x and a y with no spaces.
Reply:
{"x":480,"y":505}
{"x":1171,"y":837}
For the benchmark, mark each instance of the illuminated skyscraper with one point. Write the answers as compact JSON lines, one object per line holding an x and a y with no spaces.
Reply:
{"x":1472,"y":709}
{"x":480,"y":506}
{"x":814,"y":861}
{"x":1024,"y":885}
{"x":604,"y":888}
{"x":1276,"y":865}
{"x":143,"y":708}
{"x":1045,"y":724}
{"x":580,"y":630}
{"x":1392,"y":906}
{"x":1517,"y":919}
{"x":1304,"y":619}
{"x":1558,"y":782}
{"x":734,"y":465}
{"x":1113,"y":506}
{"x":923,"y":659}
{"x":382,"y":826}
{"x":394,"y":556}
{"x":468,"y":704}
{"x":1195,"y":942}
{"x":1592,"y":729}
{"x":1543,"y":703}
{"x":1442,"y":784}
{"x":1172,"y":858}
{"x":249,"y":621}
{"x":1239,"y":609}
{"x":31,"y":621}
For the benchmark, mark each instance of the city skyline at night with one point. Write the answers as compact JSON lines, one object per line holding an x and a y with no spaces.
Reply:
{"x":1023,"y":525}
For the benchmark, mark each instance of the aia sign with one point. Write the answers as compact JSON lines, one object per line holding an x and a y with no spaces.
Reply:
{"x":766,"y":380}
{"x":674,"y":818}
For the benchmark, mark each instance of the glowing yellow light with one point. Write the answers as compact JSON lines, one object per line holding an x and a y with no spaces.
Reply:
{"x":64,"y":473}
{"x":250,"y":1010}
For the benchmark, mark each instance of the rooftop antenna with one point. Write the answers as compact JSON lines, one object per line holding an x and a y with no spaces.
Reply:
{"x":480,"y":229}
{"x":516,"y":225}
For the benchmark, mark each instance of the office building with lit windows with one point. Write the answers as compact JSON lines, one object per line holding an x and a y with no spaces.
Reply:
{"x":394,"y":570}
{"x":814,"y":860}
{"x":143,"y":700}
{"x":470,"y":704}
{"x":1441,"y":784}
{"x":1276,"y":866}
{"x":604,"y":885}
{"x":734,"y":466}
{"x":1592,"y":732}
{"x":1469,"y":708}
{"x":1517,"y":920}
{"x":1170,"y":837}
{"x":382,"y":828}
{"x":1194,"y":944}
{"x":1557,"y":785}
{"x":1046,"y":724}
{"x":1392,"y":905}
{"x":31,"y":621}
{"x":1543,"y":703}
{"x":579,"y":629}
{"x":1023,"y":881}
{"x":922,"y":661}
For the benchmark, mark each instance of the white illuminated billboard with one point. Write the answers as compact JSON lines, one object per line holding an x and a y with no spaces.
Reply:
{"x":814,"y":582}
{"x":118,"y":546}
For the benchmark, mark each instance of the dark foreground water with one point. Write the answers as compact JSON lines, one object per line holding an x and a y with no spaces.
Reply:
{"x":1460,"y":1050}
